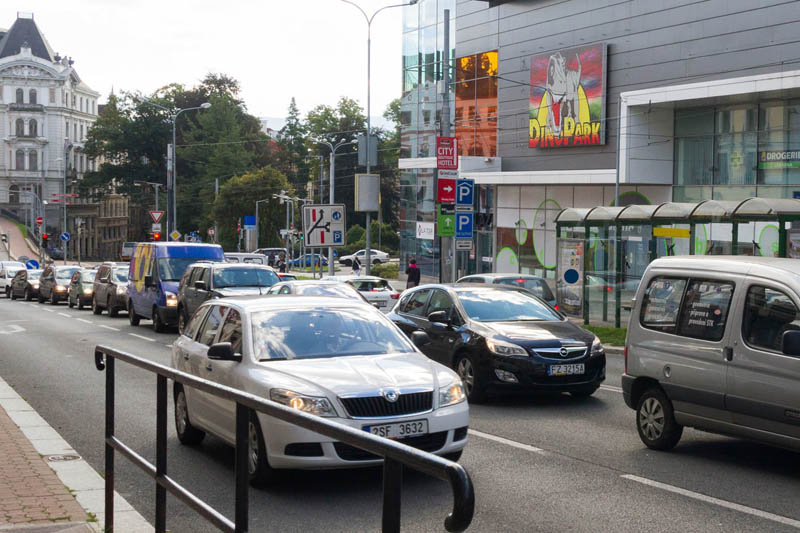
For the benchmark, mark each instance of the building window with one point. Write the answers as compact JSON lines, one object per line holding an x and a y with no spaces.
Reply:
{"x":32,"y":96}
{"x":52,"y":96}
{"x":20,"y":96}
{"x":20,"y":160}
{"x":81,"y":137}
{"x":33,"y":129}
{"x":20,"y":127}
{"x":33,"y":160}
{"x":75,"y":131}
{"x":476,"y":104}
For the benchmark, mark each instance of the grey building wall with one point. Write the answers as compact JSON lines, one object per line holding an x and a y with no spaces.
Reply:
{"x":651,"y":43}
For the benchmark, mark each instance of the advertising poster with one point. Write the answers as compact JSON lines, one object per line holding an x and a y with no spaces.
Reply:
{"x":569,"y":283}
{"x":568,"y":93}
{"x":772,"y":159}
{"x":793,"y":243}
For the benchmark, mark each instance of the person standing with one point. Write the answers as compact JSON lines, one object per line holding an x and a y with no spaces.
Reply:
{"x":413,"y":273}
{"x":356,"y":266}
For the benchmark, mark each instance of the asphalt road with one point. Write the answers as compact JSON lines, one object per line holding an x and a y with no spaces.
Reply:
{"x":538,"y":464}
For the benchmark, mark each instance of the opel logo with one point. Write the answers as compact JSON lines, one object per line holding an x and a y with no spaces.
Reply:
{"x":391,"y":395}
{"x":564,"y":352}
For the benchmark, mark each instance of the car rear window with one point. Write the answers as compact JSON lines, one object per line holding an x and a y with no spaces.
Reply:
{"x":536,"y":286}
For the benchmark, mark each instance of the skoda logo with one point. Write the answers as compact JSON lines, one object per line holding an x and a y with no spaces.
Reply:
{"x":391,"y":395}
{"x":563,"y":352}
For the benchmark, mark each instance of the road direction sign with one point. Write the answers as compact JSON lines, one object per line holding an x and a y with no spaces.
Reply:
{"x":156,"y":216}
{"x":155,"y":227}
{"x":65,"y":236}
{"x":465,"y":189}
{"x":249,"y":222}
{"x":175,"y":235}
{"x":445,"y":221}
{"x":463,"y":244}
{"x":39,"y":221}
{"x":324,"y":225}
{"x":446,"y":191}
{"x":31,"y":264}
{"x":464,"y":223}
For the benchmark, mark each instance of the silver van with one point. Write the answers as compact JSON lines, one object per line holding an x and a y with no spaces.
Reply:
{"x":714,"y":344}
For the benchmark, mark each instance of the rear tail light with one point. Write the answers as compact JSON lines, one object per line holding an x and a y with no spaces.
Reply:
{"x":555,"y":307}
{"x":395,"y":295}
{"x":609,"y":289}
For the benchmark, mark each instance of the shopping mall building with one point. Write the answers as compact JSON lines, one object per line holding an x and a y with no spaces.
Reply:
{"x":555,"y":101}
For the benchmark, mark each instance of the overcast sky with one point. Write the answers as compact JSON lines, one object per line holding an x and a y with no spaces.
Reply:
{"x":314,"y":50}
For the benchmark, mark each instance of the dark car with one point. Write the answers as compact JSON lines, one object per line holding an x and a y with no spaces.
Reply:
{"x":203,"y":281}
{"x":54,"y":283}
{"x":110,"y":289}
{"x":25,"y":284}
{"x":502,"y":339}
{"x":81,"y":288}
{"x":537,"y":285}
{"x":313,"y":287}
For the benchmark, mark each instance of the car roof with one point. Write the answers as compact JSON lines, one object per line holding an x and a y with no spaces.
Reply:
{"x":766,"y":266}
{"x":292,"y":301}
{"x":312,"y":282}
{"x":461,"y":287}
{"x":497,"y":275}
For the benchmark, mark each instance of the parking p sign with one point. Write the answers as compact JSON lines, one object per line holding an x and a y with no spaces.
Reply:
{"x":464,"y":223}
{"x":465,"y":192}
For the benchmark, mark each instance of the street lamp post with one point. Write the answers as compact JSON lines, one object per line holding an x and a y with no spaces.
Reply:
{"x":258,"y":227}
{"x":332,"y":173}
{"x":369,"y":20}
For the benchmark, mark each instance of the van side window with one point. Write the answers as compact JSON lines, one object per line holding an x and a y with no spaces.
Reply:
{"x":661,"y":304}
{"x":705,"y":309}
{"x":768,"y":313}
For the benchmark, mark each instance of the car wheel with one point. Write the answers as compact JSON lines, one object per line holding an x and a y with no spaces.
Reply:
{"x":133,"y":318}
{"x":53,"y":299}
{"x":655,"y":420}
{"x":96,"y":309}
{"x":28,"y":295}
{"x":468,"y":372}
{"x":261,"y":474}
{"x":80,"y":303}
{"x":8,"y":292}
{"x":12,"y":295}
{"x":376,"y":261}
{"x":181,"y":320}
{"x":454,"y":456}
{"x":39,"y":297}
{"x":187,"y":433}
{"x":158,"y":324}
{"x":585,"y":392}
{"x":112,"y":311}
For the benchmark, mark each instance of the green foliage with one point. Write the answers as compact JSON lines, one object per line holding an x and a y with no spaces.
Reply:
{"x":352,"y":247}
{"x":610,"y":336}
{"x":355,"y":233}
{"x":389,"y":240}
{"x":385,"y":270}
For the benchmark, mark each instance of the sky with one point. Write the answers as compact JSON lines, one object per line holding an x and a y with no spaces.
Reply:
{"x":314,"y":50}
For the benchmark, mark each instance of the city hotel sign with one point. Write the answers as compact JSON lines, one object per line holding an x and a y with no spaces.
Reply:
{"x":568,"y":95}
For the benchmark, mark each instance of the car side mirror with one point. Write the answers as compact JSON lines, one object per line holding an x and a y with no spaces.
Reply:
{"x":791,"y":343}
{"x":420,"y":338}
{"x":148,"y":281}
{"x":222,"y":351}
{"x":200,"y":284}
{"x":439,"y":317}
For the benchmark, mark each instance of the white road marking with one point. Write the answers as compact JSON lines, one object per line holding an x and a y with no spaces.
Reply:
{"x":611,"y":388}
{"x":65,"y":314}
{"x":716,"y":501}
{"x":84,"y":321}
{"x":48,"y":310}
{"x":108,"y":327}
{"x":11,"y":328}
{"x":141,"y":337}
{"x":509,"y":442}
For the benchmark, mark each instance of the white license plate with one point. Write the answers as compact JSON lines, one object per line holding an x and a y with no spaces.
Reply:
{"x":400,"y":430}
{"x":380,"y":303}
{"x":565,"y":370}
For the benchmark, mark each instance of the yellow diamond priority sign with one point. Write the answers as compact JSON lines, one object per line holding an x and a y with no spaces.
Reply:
{"x":175,"y":235}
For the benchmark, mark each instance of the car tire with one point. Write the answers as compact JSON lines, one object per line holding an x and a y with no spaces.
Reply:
{"x":158,"y":324}
{"x":96,"y":309}
{"x":454,"y":456}
{"x":80,"y":303}
{"x":53,"y":299}
{"x":655,"y":420}
{"x":585,"y":392}
{"x":260,"y":473}
{"x":182,"y":320}
{"x":187,"y":433}
{"x":112,"y":311}
{"x":465,"y":368}
{"x":70,"y":303}
{"x":8,"y":292}
{"x":12,"y":295}
{"x":39,"y":297}
{"x":376,"y":261}
{"x":133,"y":318}
{"x":28,"y":295}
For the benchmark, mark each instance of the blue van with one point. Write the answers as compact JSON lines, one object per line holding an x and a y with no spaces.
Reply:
{"x":155,"y":271}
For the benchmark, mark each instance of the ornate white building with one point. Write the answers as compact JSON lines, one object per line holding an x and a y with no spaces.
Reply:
{"x":46,"y":111}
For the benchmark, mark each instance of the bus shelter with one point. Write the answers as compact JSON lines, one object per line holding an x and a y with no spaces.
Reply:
{"x":603,"y":251}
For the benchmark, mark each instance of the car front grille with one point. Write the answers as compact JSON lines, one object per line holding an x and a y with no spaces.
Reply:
{"x":427,"y":443}
{"x":572,"y":352}
{"x":378,"y":406}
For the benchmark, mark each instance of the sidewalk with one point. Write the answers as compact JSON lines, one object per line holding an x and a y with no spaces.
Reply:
{"x":45,"y":486}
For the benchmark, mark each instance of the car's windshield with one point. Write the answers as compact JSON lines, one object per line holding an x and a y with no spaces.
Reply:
{"x":121,"y":275}
{"x":11,"y":270}
{"x":328,"y":289}
{"x":244,"y":277}
{"x":536,"y":286}
{"x":65,"y":273}
{"x":504,"y":306}
{"x":172,"y":268}
{"x":323,"y":333}
{"x":34,"y":274}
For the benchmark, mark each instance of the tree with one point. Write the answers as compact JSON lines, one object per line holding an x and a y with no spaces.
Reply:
{"x":293,"y":141}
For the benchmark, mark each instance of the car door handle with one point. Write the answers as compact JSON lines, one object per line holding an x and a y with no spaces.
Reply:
{"x":727,"y":352}
{"x":208,"y":367}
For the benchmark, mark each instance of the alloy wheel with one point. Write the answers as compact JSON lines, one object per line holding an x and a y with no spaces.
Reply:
{"x":180,"y":412}
{"x":651,"y":418}
{"x":252,"y":448}
{"x":466,"y":372}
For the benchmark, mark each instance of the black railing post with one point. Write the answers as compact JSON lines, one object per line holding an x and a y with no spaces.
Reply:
{"x":161,"y":453}
{"x":109,"y":474}
{"x":242,"y":467}
{"x":392,"y":491}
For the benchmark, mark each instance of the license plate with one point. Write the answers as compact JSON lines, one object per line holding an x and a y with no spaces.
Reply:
{"x":400,"y":430}
{"x":380,"y":303}
{"x":565,"y":370}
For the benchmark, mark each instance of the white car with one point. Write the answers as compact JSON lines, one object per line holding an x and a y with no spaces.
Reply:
{"x":375,"y":290}
{"x":331,"y":357}
{"x":377,"y":256}
{"x":8,"y":269}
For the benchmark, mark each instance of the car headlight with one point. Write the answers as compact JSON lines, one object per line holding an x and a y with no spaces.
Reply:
{"x":597,"y":346}
{"x":451,"y":394}
{"x":60,"y":288}
{"x":87,"y":292}
{"x":315,"y":405}
{"x":35,"y":285}
{"x":172,"y":300}
{"x":121,"y":292}
{"x":499,"y":347}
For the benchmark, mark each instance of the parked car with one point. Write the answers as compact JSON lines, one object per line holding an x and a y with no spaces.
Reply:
{"x":315,"y":287}
{"x":111,"y":289}
{"x":25,"y":284}
{"x":375,"y":290}
{"x":8,"y":270}
{"x":334,"y":358}
{"x":307,"y":260}
{"x":126,"y":251}
{"x":502,"y":339}
{"x":81,"y":288}
{"x":236,"y":257}
{"x":54,"y":283}
{"x":203,"y":281}
{"x":714,"y":344}
{"x":272,"y":254}
{"x":155,"y":270}
{"x":536,"y":284}
{"x":377,"y":256}
{"x":55,"y":252}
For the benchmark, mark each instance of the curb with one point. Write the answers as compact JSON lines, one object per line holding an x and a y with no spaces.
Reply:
{"x":77,"y":475}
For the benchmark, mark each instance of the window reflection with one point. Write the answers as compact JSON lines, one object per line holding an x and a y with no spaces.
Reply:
{"x":476,"y":104}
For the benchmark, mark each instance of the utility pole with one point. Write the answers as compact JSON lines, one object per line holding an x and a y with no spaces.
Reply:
{"x":446,"y":121}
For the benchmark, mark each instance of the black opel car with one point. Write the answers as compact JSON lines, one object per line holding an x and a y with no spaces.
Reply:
{"x":502,"y":339}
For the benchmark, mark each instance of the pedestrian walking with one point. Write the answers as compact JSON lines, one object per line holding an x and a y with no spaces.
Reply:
{"x":282,"y":262}
{"x":413,"y":273}
{"x":356,"y":266}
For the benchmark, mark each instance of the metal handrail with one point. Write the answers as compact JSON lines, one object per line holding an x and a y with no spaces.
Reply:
{"x":394,"y":453}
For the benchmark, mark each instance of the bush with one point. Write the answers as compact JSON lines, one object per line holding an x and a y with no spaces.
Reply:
{"x":356,"y":233}
{"x":352,"y":247}
{"x":385,"y":270}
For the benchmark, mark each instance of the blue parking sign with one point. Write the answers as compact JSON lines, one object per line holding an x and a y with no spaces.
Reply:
{"x":465,"y":192}
{"x":464,"y":223}
{"x":337,"y":236}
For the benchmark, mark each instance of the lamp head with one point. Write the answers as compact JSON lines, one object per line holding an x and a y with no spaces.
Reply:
{"x":205,"y":105}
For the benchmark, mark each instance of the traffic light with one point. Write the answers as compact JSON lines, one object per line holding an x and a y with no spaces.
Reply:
{"x":44,"y":239}
{"x":156,"y":236}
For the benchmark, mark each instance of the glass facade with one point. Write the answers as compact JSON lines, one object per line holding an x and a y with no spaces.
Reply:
{"x":476,"y":104}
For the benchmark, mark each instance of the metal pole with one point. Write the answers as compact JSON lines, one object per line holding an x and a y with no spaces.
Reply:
{"x":171,"y":221}
{"x":367,"y":255}
{"x":241,"y":467}
{"x":109,"y":450}
{"x":161,"y":453}
{"x":332,"y":173}
{"x":257,"y":202}
{"x":619,"y":136}
{"x":288,"y":257}
{"x":216,"y":197}
{"x":445,"y":126}
{"x":64,"y":199}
